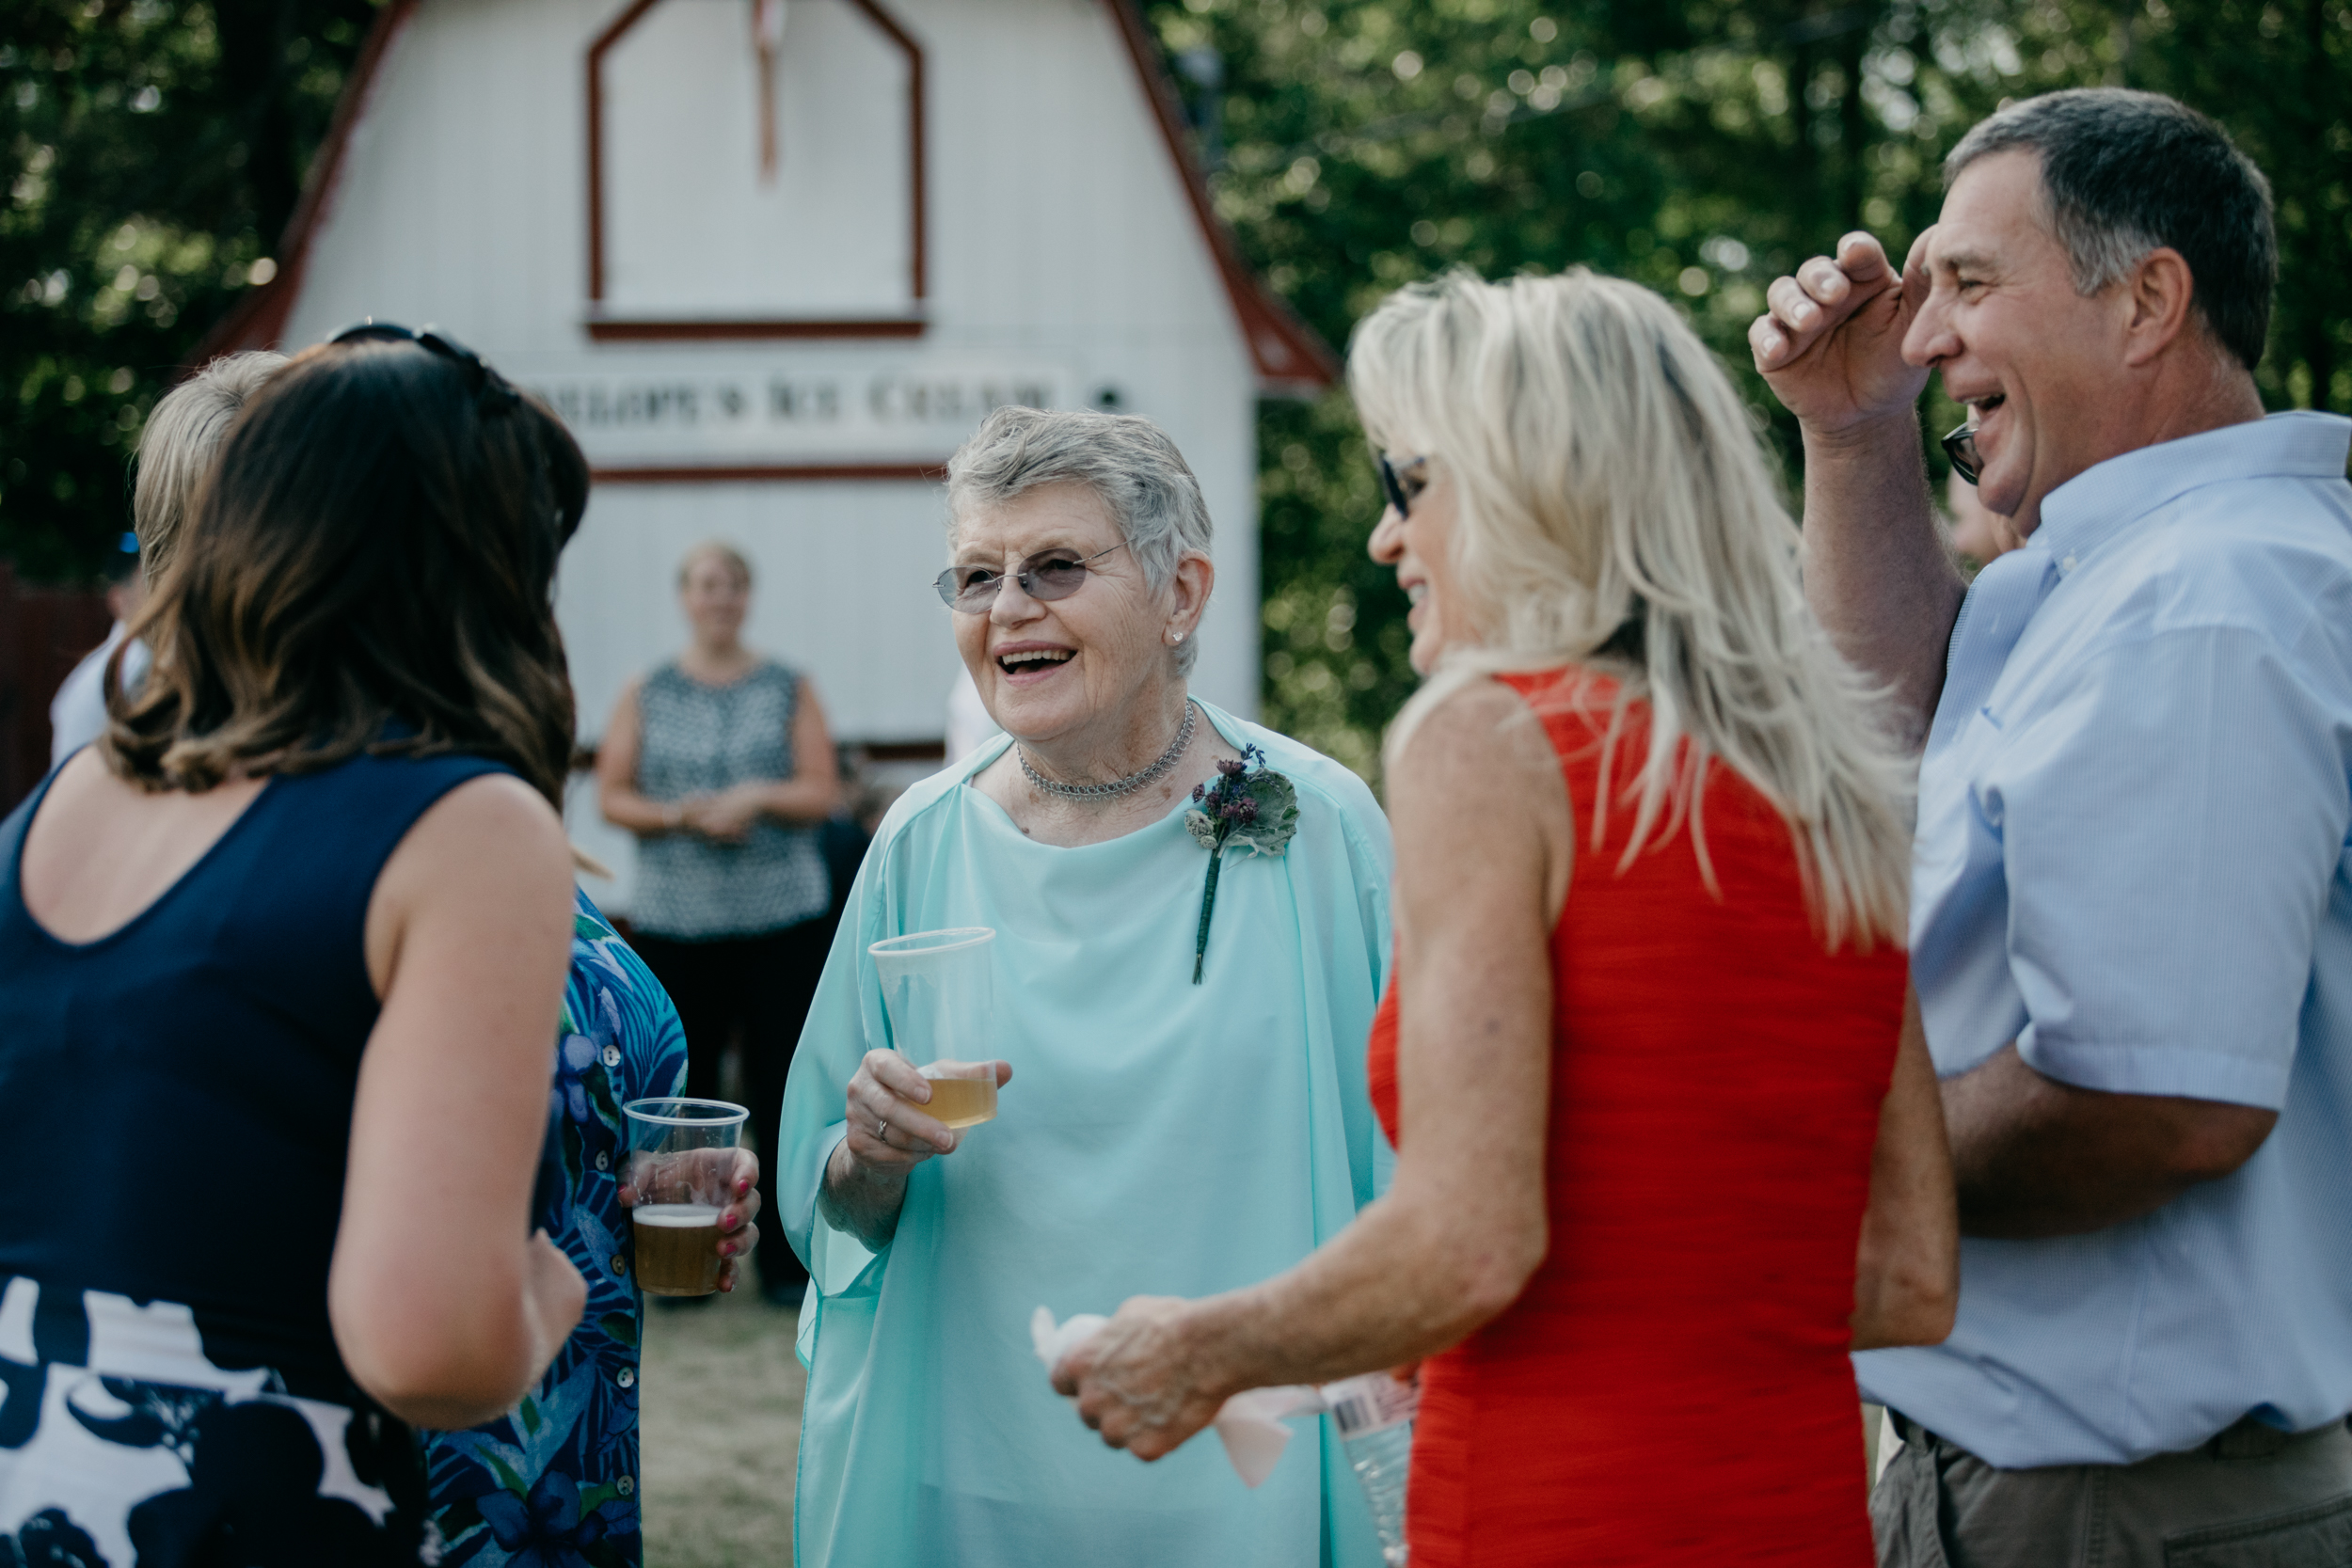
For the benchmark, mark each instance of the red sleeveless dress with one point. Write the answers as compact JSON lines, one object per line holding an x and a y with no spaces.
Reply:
{"x":1673,"y":1388}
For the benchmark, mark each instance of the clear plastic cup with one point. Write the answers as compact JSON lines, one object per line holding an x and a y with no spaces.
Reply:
{"x":940,"y":991}
{"x":681,"y":1157}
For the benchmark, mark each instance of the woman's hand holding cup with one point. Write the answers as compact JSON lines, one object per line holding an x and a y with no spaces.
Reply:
{"x":889,"y":1129}
{"x":697,"y":1190}
{"x":738,"y":1235}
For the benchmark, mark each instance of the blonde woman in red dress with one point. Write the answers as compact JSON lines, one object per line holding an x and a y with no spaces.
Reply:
{"x":1668,"y":1139}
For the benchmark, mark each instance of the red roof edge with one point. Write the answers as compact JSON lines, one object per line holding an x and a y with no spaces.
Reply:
{"x":259,"y":319}
{"x":1291,"y":356}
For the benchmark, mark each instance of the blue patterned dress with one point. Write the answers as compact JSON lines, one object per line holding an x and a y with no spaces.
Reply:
{"x":554,"y":1484}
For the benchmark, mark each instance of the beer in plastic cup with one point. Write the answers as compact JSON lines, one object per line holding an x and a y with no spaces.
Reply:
{"x":681,"y":1162}
{"x":938,"y":989}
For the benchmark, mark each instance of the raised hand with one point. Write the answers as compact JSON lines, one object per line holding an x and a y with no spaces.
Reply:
{"x":1831,"y":343}
{"x":1876,"y":571}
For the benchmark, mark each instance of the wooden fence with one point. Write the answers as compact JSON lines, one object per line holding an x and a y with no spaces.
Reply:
{"x":44,"y":633}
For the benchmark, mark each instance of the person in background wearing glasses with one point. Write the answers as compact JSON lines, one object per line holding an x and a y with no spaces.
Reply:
{"x":721,"y":764}
{"x":2132,"y":904}
{"x":1163,"y":1134}
{"x":1666,"y":1132}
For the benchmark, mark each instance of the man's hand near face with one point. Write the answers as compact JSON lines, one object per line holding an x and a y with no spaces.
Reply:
{"x":1876,"y":573}
{"x":1830,"y":343}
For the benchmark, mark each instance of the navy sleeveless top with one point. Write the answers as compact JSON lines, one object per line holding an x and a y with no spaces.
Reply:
{"x":175,"y":1100}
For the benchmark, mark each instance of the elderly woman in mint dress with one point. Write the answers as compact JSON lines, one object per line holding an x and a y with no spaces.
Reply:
{"x":1153,"y":1134}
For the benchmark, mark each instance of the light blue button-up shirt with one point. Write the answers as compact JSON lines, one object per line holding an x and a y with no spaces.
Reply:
{"x":2133,"y":861}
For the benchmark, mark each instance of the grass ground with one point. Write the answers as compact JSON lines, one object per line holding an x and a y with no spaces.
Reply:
{"x":720,"y":1419}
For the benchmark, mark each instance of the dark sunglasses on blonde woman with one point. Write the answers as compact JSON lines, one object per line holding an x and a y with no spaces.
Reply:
{"x":1401,"y":482}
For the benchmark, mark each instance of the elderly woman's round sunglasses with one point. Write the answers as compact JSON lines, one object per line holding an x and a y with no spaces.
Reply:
{"x":496,"y":394}
{"x":1047,"y":576}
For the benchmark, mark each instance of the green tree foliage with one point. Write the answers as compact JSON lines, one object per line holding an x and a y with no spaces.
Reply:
{"x":1701,"y":149}
{"x":154,"y":152}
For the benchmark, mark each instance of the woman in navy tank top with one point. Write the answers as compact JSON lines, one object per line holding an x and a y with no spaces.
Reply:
{"x":281,"y":960}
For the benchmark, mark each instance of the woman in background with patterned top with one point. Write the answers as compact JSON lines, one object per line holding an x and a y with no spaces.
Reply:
{"x":721,"y":764}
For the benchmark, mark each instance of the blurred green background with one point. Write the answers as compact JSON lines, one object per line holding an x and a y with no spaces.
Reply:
{"x":154,"y":151}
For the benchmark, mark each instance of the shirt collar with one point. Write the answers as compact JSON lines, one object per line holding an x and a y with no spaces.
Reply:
{"x":2092,"y":507}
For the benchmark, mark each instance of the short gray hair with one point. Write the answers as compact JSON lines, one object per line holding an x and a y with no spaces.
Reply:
{"x":1123,"y":458}
{"x":182,"y":437}
{"x":2126,"y":172}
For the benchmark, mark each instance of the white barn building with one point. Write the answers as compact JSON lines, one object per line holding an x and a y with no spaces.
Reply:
{"x":773,"y":260}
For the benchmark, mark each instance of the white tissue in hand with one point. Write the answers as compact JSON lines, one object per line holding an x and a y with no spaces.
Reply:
{"x":1249,"y":1424}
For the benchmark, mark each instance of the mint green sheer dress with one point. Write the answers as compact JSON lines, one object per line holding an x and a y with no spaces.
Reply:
{"x":1158,"y":1138}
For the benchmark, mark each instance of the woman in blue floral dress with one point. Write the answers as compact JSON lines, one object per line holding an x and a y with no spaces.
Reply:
{"x":554,"y":1484}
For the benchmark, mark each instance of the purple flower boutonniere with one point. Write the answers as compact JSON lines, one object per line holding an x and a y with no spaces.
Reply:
{"x":1247,"y":806}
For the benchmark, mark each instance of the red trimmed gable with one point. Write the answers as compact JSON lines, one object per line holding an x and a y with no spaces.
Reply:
{"x":1288,"y":355}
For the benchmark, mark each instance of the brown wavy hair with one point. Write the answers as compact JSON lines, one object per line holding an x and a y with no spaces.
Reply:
{"x":370,"y":568}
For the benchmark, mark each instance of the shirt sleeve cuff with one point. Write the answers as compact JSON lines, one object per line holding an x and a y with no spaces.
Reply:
{"x":838,"y":1262}
{"x":2225,"y":1076}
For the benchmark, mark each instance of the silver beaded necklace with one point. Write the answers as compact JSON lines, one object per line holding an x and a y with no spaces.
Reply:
{"x":1117,"y":788}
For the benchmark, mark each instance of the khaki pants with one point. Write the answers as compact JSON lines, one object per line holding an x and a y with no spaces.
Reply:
{"x":2250,"y":1499}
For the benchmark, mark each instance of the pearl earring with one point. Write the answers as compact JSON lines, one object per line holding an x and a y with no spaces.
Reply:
{"x":1177,"y":637}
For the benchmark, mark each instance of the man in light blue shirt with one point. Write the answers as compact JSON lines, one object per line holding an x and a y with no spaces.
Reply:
{"x":2132,"y":921}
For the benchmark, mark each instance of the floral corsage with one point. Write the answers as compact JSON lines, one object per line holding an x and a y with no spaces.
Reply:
{"x":1250,"y":806}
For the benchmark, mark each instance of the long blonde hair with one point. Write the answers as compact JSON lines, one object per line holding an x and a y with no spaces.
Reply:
{"x":1616,"y":509}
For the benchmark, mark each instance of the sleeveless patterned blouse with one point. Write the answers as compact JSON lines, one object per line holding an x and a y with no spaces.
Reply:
{"x":694,"y":739}
{"x":554,"y":1484}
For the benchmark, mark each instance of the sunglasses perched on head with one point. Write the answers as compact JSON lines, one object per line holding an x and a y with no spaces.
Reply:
{"x":1401,"y":482}
{"x":1961,"y":446}
{"x":1047,"y":576}
{"x":496,"y":396}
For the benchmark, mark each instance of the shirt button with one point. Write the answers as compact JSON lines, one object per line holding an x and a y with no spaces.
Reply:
{"x":2067,"y":564}
{"x":620,"y":1264}
{"x":604,"y":1162}
{"x":627,"y":1378}
{"x":626,"y":1486}
{"x":613,"y":1052}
